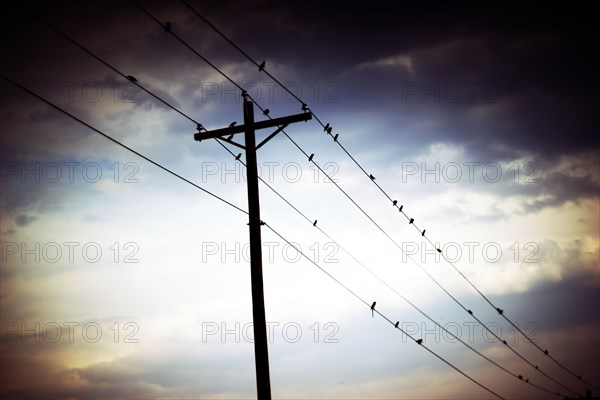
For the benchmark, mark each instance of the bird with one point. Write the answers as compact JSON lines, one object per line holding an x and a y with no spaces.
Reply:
{"x":304,"y":107}
{"x":394,"y":202}
{"x":520,"y":376}
{"x":335,"y":137}
{"x":311,"y":157}
{"x":231,"y":125}
{"x":168,"y":27}
{"x":504,"y":341}
{"x":261,"y":67}
{"x":411,"y":221}
{"x":238,"y":156}
{"x":470,"y":312}
{"x":326,"y":127}
{"x":439,"y":250}
{"x":527,"y":380}
{"x":500,"y":311}
{"x":329,"y":130}
{"x":132,"y":78}
{"x":372,"y":177}
{"x":423,"y":233}
{"x":315,"y":223}
{"x":419,"y":341}
{"x":373,"y":308}
{"x":546,"y":352}
{"x":397,"y":323}
{"x":266,"y":112}
{"x":401,"y":207}
{"x":536,"y":367}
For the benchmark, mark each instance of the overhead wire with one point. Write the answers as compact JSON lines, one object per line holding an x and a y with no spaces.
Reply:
{"x":328,"y":130}
{"x":119,"y":143}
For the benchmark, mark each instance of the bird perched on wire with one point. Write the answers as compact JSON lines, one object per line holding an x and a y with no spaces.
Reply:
{"x":168,"y":27}
{"x":132,"y":78}
{"x":266,"y":112}
{"x":238,"y":156}
{"x":372,"y":177}
{"x":315,"y":223}
{"x":419,"y":341}
{"x":310,"y":158}
{"x":261,"y":67}
{"x":423,"y":233}
{"x":231,"y":125}
{"x":411,"y":221}
{"x":335,"y":137}
{"x":394,"y":202}
{"x":397,"y":323}
{"x":327,"y":126}
{"x":373,"y":309}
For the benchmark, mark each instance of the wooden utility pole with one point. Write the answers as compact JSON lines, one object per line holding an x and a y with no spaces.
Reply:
{"x":261,"y":353}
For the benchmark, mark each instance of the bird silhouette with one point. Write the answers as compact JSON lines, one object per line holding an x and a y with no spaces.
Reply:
{"x":527,"y":380}
{"x":504,"y":341}
{"x":373,"y":309}
{"x":439,"y":250}
{"x":470,"y":312}
{"x":231,"y":125}
{"x":397,"y":323}
{"x":423,"y":234}
{"x":311,"y":157}
{"x":536,"y":367}
{"x":419,"y":341}
{"x":132,"y":78}
{"x":546,"y":352}
{"x":520,"y":376}
{"x":372,"y":177}
{"x":168,"y":27}
{"x":335,"y":137}
{"x":394,"y":202}
{"x":401,"y":207}
{"x":326,"y":127}
{"x":261,"y":67}
{"x":500,"y":311}
{"x":266,"y":112}
{"x":411,"y":221}
{"x":315,"y":223}
{"x":238,"y":156}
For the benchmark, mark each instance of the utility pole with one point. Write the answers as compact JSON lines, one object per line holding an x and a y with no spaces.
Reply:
{"x":261,"y":354}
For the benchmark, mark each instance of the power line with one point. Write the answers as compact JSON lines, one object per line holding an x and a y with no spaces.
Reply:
{"x":239,"y":209}
{"x":328,"y":130}
{"x":311,"y":159}
{"x":395,"y":325}
{"x":136,"y":82}
{"x":121,"y":144}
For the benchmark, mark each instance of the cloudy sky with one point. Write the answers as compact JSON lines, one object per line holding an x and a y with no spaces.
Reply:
{"x":119,"y":280}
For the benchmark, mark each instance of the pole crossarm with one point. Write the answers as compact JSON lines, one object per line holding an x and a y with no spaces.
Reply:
{"x":217,"y":133}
